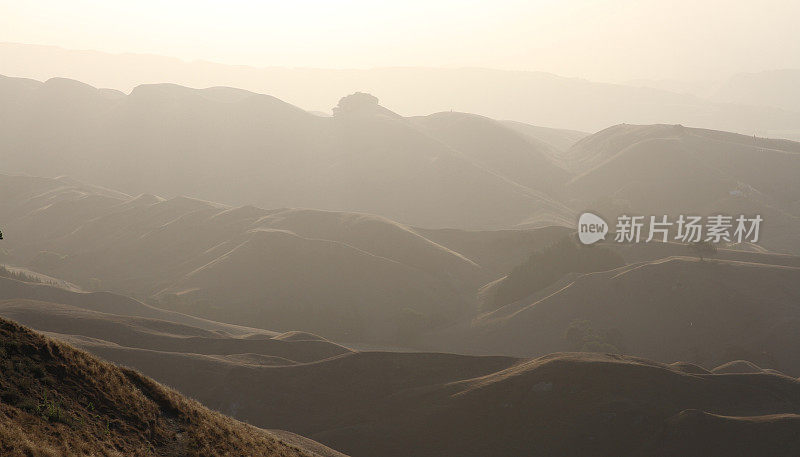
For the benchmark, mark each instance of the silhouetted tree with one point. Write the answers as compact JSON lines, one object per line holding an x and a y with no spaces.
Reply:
{"x":354,"y":102}
{"x":21,"y":276}
{"x":703,"y":249}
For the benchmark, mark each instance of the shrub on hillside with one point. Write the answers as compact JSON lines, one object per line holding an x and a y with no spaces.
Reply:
{"x":547,"y":266}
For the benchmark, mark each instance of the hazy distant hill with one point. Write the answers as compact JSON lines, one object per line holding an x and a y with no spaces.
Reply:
{"x":779,"y":88}
{"x":559,"y":139}
{"x":671,"y":169}
{"x":159,"y":335}
{"x":107,"y":302}
{"x":675,"y":308}
{"x":443,"y":170}
{"x":238,"y":147}
{"x":59,"y":401}
{"x":533,"y":97}
{"x":593,"y":150}
{"x":521,"y":158}
{"x":349,"y":275}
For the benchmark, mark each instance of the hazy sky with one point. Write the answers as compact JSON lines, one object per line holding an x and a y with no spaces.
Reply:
{"x":608,"y":40}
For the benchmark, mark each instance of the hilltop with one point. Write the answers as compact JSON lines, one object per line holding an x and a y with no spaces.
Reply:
{"x":742,"y":104}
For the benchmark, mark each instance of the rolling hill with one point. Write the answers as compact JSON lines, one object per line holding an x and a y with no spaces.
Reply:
{"x":671,"y":169}
{"x":520,"y":158}
{"x":538,"y":98}
{"x":344,"y":275}
{"x":676,"y":308}
{"x":107,"y":302}
{"x":60,"y":401}
{"x":433,"y":404}
{"x":444,"y":170}
{"x":239,"y":147}
{"x":391,"y":285}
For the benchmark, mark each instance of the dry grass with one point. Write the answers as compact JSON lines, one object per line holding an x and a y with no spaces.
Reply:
{"x":59,"y":401}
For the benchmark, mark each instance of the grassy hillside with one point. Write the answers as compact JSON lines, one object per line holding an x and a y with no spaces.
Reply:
{"x":429,"y":404}
{"x":55,"y":400}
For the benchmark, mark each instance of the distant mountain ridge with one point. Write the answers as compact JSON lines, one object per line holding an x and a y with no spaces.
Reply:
{"x":777,"y":88}
{"x":673,"y":169}
{"x":533,"y":97}
{"x":447,"y":169}
{"x":237,"y":147}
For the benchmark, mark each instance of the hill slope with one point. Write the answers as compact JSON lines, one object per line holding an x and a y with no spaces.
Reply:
{"x":431,"y":404}
{"x":491,"y":144}
{"x":669,"y":309}
{"x":107,"y":302}
{"x":671,"y":169}
{"x":359,"y":272}
{"x":240,"y":147}
{"x":562,"y":404}
{"x":60,"y":401}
